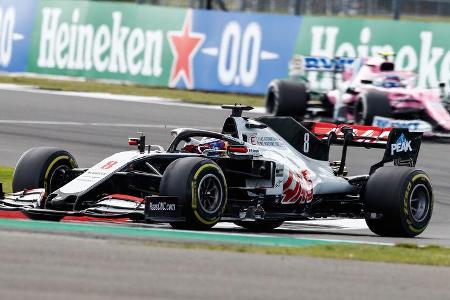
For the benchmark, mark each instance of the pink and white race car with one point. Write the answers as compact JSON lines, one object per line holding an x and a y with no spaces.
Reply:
{"x":372,"y":92}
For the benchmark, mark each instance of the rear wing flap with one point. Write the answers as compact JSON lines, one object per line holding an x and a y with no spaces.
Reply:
{"x":362,"y":136}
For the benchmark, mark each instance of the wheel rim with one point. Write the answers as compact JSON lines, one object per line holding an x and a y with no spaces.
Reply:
{"x":57,"y":179}
{"x":419,"y":203}
{"x":210,"y":193}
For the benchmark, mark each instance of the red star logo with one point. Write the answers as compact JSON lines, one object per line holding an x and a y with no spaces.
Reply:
{"x":184,"y":45}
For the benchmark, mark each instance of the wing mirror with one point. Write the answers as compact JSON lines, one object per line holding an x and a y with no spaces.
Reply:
{"x":366,"y":81}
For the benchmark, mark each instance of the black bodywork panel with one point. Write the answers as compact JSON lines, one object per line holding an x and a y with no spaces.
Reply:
{"x":294,"y":133}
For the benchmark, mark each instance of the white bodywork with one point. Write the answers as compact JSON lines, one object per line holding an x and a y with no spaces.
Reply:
{"x":297,"y":177}
{"x":308,"y":176}
{"x":99,"y":172}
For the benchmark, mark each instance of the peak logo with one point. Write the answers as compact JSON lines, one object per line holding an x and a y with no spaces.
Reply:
{"x":402,"y":145}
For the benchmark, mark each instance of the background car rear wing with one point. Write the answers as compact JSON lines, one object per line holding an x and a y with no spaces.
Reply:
{"x":300,"y":64}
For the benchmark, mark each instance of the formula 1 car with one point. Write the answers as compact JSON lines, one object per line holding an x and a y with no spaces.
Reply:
{"x":257,"y":173}
{"x":372,"y":92}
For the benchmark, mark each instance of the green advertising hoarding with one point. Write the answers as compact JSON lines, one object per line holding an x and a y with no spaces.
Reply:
{"x":104,"y":40}
{"x":197,"y":49}
{"x":420,"y":47}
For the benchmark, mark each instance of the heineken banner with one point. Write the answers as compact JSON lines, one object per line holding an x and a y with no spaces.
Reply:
{"x":420,"y":47}
{"x":16,"y":24}
{"x":162,"y":46}
{"x":199,"y":49}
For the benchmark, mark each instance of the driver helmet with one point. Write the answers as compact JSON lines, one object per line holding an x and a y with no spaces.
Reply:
{"x":205,"y":144}
{"x":390,"y":81}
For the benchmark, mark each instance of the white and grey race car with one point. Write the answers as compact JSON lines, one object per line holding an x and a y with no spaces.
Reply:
{"x":257,"y":173}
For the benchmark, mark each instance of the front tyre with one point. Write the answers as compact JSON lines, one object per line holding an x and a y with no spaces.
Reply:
{"x":200,"y":186}
{"x":42,"y":167}
{"x":398,"y":201}
{"x":286,"y":98}
{"x":369,"y":105}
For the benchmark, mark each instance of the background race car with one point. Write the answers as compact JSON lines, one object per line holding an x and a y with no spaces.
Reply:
{"x":370,"y":91}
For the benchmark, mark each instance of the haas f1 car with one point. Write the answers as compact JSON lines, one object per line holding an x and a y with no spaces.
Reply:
{"x":257,"y":173}
{"x":372,"y":92}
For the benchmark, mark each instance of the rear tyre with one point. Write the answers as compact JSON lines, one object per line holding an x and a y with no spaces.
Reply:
{"x":260,"y":225}
{"x":42,"y":167}
{"x":201,"y":187}
{"x":286,"y":98}
{"x":398,"y":201}
{"x":370,"y":105}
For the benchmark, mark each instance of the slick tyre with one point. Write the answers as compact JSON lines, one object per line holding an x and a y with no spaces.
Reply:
{"x":286,"y":98}
{"x":260,"y":225}
{"x":42,"y":167}
{"x":369,"y":105}
{"x":398,"y":201}
{"x":200,"y":186}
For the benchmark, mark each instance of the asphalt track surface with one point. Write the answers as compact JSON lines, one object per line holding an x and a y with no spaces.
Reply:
{"x":59,"y":267}
{"x":93,"y":128}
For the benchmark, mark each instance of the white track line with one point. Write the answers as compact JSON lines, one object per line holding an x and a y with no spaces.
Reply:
{"x":113,"y":97}
{"x":313,"y":225}
{"x":97,"y":124}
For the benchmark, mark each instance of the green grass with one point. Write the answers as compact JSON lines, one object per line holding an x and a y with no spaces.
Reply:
{"x":401,"y":253}
{"x":6,"y":174}
{"x":137,"y":90}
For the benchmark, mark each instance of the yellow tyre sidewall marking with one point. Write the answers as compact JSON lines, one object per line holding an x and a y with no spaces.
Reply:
{"x":59,"y":158}
{"x":195,"y":198}
{"x":409,"y":223}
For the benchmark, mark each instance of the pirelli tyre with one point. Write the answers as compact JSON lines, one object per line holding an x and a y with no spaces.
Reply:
{"x":286,"y":98}
{"x":42,"y":167}
{"x":398,"y":201}
{"x":369,"y":105}
{"x":201,"y":187}
{"x":260,"y":225}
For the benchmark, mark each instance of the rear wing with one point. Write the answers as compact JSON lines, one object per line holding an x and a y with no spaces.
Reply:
{"x":301,"y":64}
{"x":401,"y":146}
{"x":362,"y":136}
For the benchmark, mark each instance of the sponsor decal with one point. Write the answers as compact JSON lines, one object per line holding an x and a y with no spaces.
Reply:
{"x":297,"y":187}
{"x":162,"y":206}
{"x":253,"y":139}
{"x":253,"y":151}
{"x":184,"y":45}
{"x":84,"y":46}
{"x":422,"y":48}
{"x":193,"y":49}
{"x":411,"y":125}
{"x":16,"y":24}
{"x":402,"y":145}
{"x":243,"y":52}
{"x":268,"y":141}
{"x":313,"y":63}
